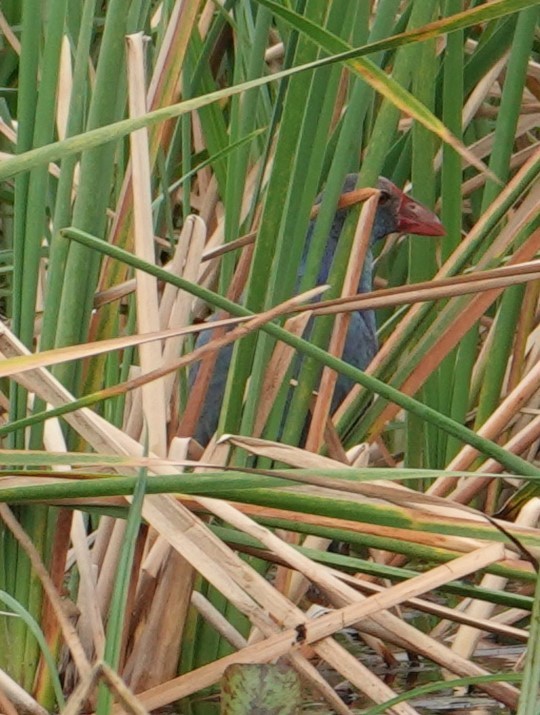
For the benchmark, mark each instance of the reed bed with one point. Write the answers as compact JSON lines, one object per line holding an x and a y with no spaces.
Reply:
{"x":159,"y":167}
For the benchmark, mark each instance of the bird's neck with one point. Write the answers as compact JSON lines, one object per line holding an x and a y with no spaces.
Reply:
{"x":366,"y":277}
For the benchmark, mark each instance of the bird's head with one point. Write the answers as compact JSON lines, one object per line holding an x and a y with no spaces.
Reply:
{"x":397,"y":212}
{"x":404,"y":214}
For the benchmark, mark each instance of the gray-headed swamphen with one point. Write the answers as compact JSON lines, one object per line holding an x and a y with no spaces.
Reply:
{"x":396,"y":213}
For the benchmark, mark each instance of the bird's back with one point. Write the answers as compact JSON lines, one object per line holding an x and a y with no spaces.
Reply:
{"x":360,"y":344}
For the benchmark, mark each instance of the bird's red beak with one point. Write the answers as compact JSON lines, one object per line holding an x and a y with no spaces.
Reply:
{"x":415,"y":218}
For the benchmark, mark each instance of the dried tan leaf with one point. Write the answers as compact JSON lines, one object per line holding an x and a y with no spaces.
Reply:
{"x":153,"y":396}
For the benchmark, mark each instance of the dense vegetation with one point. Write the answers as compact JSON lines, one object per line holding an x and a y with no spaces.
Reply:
{"x":151,"y":182}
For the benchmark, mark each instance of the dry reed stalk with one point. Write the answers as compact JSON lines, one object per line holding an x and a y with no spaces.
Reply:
{"x":163,"y":90}
{"x":277,"y":369}
{"x":391,"y":344}
{"x":157,"y":640}
{"x":93,"y":636}
{"x":68,"y":631}
{"x":360,"y":247}
{"x":313,"y":631}
{"x":491,"y":429}
{"x":154,"y":411}
{"x":15,"y":700}
{"x":467,"y":636}
{"x":470,"y":314}
{"x":192,"y":238}
{"x":103,"y":673}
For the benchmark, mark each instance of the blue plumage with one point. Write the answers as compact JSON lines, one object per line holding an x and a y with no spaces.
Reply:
{"x":396,"y":213}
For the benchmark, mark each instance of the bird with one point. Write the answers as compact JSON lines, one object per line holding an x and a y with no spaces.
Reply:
{"x":396,"y":213}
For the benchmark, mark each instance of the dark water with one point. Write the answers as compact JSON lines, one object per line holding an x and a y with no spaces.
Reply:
{"x":405,"y":676}
{"x":408,"y":675}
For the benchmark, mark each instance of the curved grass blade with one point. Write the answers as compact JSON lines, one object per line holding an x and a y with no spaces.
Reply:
{"x":367,"y":70}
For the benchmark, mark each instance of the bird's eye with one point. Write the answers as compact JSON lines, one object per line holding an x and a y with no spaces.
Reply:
{"x":384,"y":196}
